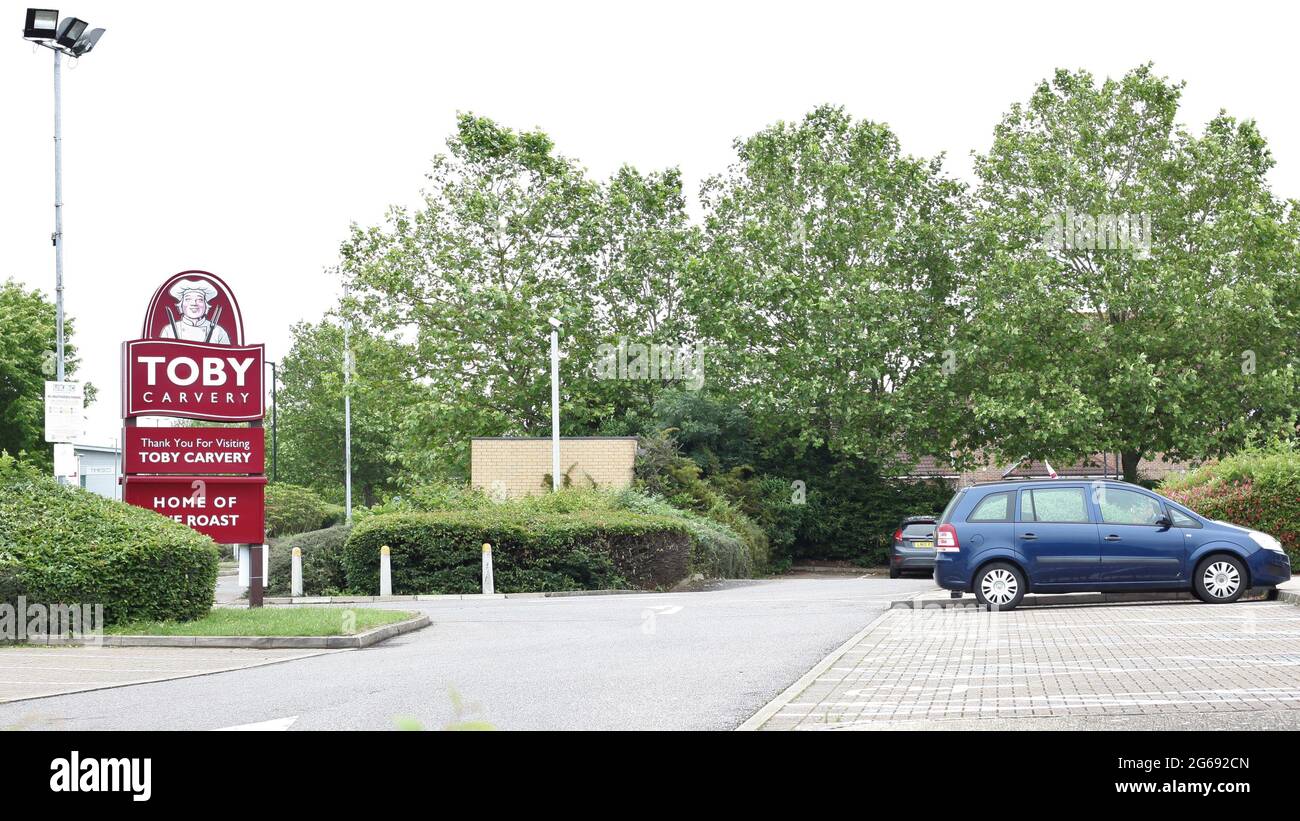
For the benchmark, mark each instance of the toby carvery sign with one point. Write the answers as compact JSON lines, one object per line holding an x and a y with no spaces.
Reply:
{"x":191,"y":362}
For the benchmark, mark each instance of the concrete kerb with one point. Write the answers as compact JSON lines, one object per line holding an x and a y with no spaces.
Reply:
{"x":354,"y":642}
{"x":555,"y":594}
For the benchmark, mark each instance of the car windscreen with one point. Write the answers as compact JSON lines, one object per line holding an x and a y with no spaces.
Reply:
{"x":918,"y":530}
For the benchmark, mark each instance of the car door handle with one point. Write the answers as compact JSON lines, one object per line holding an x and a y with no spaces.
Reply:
{"x":1111,"y":538}
{"x":1029,"y":537}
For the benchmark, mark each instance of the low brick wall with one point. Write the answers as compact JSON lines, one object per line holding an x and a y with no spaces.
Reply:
{"x":510,"y":467}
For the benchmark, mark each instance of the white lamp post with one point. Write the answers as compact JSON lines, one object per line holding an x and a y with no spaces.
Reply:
{"x":555,"y":404}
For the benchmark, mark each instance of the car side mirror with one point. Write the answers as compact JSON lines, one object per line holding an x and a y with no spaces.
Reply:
{"x":1164,"y":521}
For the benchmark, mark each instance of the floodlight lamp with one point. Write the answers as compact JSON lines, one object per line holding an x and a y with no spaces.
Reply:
{"x":42,"y":24}
{"x":70,"y":31}
{"x":87,"y":42}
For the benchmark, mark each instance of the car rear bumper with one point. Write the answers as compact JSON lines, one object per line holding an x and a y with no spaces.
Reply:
{"x":908,"y":559}
{"x":950,"y":571}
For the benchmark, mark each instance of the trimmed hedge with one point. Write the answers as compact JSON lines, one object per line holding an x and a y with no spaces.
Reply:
{"x":588,"y":550}
{"x":295,"y":509}
{"x":323,"y":573}
{"x":65,"y":545}
{"x":1258,"y":488}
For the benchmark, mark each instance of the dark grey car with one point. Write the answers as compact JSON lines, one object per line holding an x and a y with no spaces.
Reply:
{"x":913,"y":546}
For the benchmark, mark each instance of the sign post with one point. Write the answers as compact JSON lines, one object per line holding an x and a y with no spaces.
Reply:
{"x":191,"y":362}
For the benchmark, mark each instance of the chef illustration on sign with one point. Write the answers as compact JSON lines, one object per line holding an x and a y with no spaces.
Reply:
{"x":192,"y":297}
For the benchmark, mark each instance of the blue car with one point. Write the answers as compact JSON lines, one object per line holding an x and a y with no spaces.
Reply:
{"x":1003,"y":539}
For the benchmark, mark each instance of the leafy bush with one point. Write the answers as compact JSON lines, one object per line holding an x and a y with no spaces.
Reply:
{"x":660,"y":471}
{"x":1257,"y":488}
{"x":717,"y":551}
{"x":442,"y":552}
{"x":65,"y":545}
{"x":323,"y":573}
{"x":295,"y":509}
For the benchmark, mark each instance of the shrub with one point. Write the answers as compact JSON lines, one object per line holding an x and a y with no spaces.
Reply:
{"x":323,"y":572}
{"x":661,"y":472}
{"x":295,"y":509}
{"x":442,"y":552}
{"x":65,"y":545}
{"x":717,"y":551}
{"x":1257,"y":488}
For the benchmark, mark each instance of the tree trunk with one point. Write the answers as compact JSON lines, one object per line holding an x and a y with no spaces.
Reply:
{"x":1130,"y":459}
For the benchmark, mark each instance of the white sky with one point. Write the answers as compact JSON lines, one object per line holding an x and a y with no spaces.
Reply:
{"x":242,"y":138}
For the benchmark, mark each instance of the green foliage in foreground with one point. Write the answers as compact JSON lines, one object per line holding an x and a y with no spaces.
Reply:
{"x":268,"y":621}
{"x":62,"y":545}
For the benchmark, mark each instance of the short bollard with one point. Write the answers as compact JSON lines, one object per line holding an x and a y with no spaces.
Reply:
{"x":487,"y":570}
{"x":385,"y":572}
{"x":295,"y":569}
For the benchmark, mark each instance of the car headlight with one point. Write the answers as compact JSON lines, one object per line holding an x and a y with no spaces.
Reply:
{"x":1266,"y":541}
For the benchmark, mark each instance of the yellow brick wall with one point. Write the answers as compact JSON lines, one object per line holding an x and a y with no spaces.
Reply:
{"x":518,"y":467}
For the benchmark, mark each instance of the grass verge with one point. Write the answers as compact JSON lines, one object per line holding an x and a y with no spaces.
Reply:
{"x":268,"y":621}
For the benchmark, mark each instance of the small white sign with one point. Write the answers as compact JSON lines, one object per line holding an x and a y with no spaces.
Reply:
{"x":64,"y":411}
{"x":65,"y":461}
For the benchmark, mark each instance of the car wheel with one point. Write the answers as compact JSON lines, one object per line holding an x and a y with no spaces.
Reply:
{"x":894,"y":572}
{"x":1220,"y":579}
{"x":1000,"y":586}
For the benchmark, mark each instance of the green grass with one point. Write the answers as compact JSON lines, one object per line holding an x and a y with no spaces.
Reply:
{"x":267,"y":621}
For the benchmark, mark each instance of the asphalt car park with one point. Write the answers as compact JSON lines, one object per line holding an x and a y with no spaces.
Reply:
{"x":1177,"y":665}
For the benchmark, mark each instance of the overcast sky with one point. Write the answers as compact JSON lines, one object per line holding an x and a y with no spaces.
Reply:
{"x":242,"y":138}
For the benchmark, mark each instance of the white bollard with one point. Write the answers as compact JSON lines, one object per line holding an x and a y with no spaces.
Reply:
{"x":385,"y":572}
{"x":295,"y":584}
{"x":488,"y":585}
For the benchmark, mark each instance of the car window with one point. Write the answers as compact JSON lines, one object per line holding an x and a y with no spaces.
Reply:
{"x":996,"y":507}
{"x":919,"y":530}
{"x":1181,"y":519}
{"x":952,"y":503}
{"x":1128,"y":507}
{"x":1057,"y":504}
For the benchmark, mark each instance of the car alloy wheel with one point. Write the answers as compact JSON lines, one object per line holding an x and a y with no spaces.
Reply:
{"x":1221,"y":579}
{"x":999,"y":586}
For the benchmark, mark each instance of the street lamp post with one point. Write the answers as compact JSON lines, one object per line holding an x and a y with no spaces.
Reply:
{"x":555,"y":404}
{"x":68,"y":37}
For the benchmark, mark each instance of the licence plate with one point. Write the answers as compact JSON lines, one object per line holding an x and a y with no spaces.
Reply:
{"x":923,"y":544}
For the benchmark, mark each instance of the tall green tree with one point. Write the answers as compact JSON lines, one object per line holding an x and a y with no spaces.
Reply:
{"x":510,"y":234}
{"x":1135,"y":290}
{"x":310,"y":413}
{"x":829,"y":256}
{"x":27,"y":359}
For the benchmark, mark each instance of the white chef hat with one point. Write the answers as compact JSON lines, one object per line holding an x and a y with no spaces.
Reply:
{"x":201,"y":285}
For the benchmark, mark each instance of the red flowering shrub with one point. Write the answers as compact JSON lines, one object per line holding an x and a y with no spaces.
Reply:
{"x":1257,"y":488}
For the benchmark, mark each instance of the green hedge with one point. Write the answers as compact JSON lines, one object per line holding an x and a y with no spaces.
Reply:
{"x":294,"y":509}
{"x":590,"y":550}
{"x":64,"y":545}
{"x":1258,"y":488}
{"x":323,"y":573}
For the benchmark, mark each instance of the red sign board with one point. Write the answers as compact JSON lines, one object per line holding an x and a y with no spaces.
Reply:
{"x":194,"y":380}
{"x":194,"y":450}
{"x":230,"y":509}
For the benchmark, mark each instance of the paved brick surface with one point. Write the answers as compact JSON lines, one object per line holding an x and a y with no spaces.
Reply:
{"x":1102,"y":662}
{"x":36,"y":672}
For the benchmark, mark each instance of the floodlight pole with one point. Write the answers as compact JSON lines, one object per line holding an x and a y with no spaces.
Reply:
{"x":347,"y":419}
{"x":58,"y":204}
